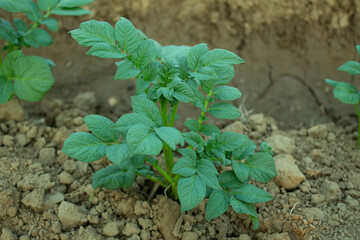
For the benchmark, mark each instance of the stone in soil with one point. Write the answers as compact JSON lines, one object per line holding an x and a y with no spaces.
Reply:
{"x":130,"y":229}
{"x":281,"y":144}
{"x":35,"y":200}
{"x":331,"y":190}
{"x":111,"y":229}
{"x":289,"y":175}
{"x":71,"y":215}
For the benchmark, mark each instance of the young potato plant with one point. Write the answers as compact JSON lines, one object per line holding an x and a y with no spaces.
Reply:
{"x":166,"y":76}
{"x":30,"y":77}
{"x":346,"y":92}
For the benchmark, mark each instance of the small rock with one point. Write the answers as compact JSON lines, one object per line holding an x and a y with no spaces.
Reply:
{"x":319,"y":131}
{"x":111,"y":229}
{"x":12,"y":110}
{"x":331,"y":137}
{"x":40,"y":143}
{"x":139,"y":209}
{"x":145,"y":234}
{"x":32,"y":132}
{"x":35,"y":200}
{"x":65,"y":178}
{"x":244,"y":237}
{"x":47,"y":156}
{"x":130,"y":229}
{"x":85,"y":101}
{"x":305,"y":186}
{"x":51,"y":200}
{"x":32,"y":181}
{"x":145,"y":223}
{"x":7,"y":234}
{"x":70,"y":166}
{"x":189,"y":236}
{"x":21,"y":139}
{"x":331,"y":190}
{"x":8,"y":141}
{"x":354,"y":178}
{"x":351,"y":202}
{"x":257,"y":122}
{"x":78,"y":121}
{"x":60,"y":136}
{"x":317,"y":199}
{"x":56,"y":227}
{"x":315,"y":213}
{"x":237,"y":127}
{"x":281,"y":144}
{"x":134,"y":237}
{"x":289,"y":175}
{"x":71,"y":215}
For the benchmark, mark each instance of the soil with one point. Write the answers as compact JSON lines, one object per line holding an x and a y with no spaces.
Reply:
{"x":289,"y":46}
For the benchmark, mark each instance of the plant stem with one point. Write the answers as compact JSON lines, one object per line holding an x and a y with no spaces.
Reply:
{"x":164,"y":173}
{"x":202,"y":115}
{"x":174,"y":186}
{"x":358,"y":114}
{"x":173,"y":114}
{"x":169,"y":158}
{"x":1,"y":60}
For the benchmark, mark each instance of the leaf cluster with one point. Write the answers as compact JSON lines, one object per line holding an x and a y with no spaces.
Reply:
{"x":30,"y":77}
{"x":167,"y":75}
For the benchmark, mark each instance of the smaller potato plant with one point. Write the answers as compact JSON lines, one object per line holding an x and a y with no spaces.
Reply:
{"x":346,"y":92}
{"x":30,"y":77}
{"x":166,"y":76}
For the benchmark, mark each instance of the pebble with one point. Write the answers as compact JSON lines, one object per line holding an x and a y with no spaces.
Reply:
{"x":351,"y":202}
{"x":65,"y":178}
{"x":71,"y":215}
{"x":111,"y":229}
{"x":139,"y":209}
{"x":257,"y":122}
{"x":237,"y":127}
{"x":8,"y":141}
{"x":47,"y":156}
{"x":7,"y":234}
{"x":281,"y":144}
{"x":21,"y":139}
{"x":317,"y":199}
{"x":305,"y":186}
{"x":56,"y":227}
{"x":331,"y":190}
{"x":315,"y":213}
{"x":69,"y":166}
{"x":289,"y":175}
{"x":35,"y":200}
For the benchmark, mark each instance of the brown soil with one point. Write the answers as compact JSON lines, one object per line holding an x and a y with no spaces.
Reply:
{"x":289,"y":46}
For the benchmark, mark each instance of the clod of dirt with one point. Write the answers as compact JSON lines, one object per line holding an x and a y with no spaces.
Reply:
{"x":189,"y":236}
{"x":314,"y":213}
{"x":319,"y":131}
{"x":237,"y":127}
{"x":257,"y":122}
{"x":71,"y":215}
{"x":12,"y":110}
{"x":35,"y":200}
{"x":289,"y":175}
{"x":111,"y":229}
{"x":9,"y":202}
{"x":331,"y":190}
{"x":7,"y":234}
{"x":131,"y":229}
{"x":85,"y":101}
{"x":167,"y":216}
{"x":32,"y":181}
{"x":65,"y":178}
{"x":281,"y":144}
{"x":275,"y":236}
{"x":47,"y":156}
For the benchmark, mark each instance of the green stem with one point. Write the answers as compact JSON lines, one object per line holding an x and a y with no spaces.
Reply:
{"x":173,"y":114}
{"x":174,"y":186}
{"x":164,"y":173}
{"x":169,"y":158}
{"x":358,"y":114}
{"x":1,"y":60}
{"x":202,"y":115}
{"x":163,"y":106}
{"x":156,"y":180}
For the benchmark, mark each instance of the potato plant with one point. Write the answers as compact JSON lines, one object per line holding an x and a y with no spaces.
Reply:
{"x":166,"y":76}
{"x":30,"y":77}
{"x":346,"y":92}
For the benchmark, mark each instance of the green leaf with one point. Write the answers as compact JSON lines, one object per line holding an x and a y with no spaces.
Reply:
{"x":228,"y":179}
{"x":205,"y":74}
{"x":218,"y":203}
{"x":126,"y":70}
{"x":224,"y":74}
{"x":224,"y":111}
{"x":42,"y":37}
{"x":34,"y":13}
{"x":195,"y":54}
{"x":144,"y":53}
{"x":6,"y":89}
{"x":118,"y":153}
{"x":192,"y":124}
{"x":175,"y":51}
{"x":346,"y":93}
{"x":219,"y":57}
{"x":171,"y":136}
{"x":210,"y":130}
{"x":141,"y":86}
{"x":358,"y":48}
{"x":251,"y":194}
{"x":7,"y":32}
{"x":128,"y":120}
{"x":7,"y":67}
{"x":240,"y":171}
{"x":30,"y":40}
{"x":184,"y":93}
{"x":84,"y":147}
{"x":47,"y":5}
{"x":16,"y":5}
{"x":71,"y":11}
{"x":93,"y":32}
{"x":187,"y":153}
{"x":331,"y":82}
{"x":105,"y":50}
{"x":126,"y":35}
{"x":261,"y":167}
{"x":142,"y":140}
{"x":350,"y":67}
{"x":74,"y":3}
{"x":191,"y":191}
{"x":50,"y":23}
{"x":207,"y":172}
{"x":247,"y":208}
{"x":194,"y":139}
{"x":20,"y":25}
{"x":146,"y":107}
{"x":226,"y":93}
{"x":185,"y":167}
{"x":244,"y":150}
{"x":33,"y":78}
{"x":113,"y":177}
{"x":102,"y":128}
{"x":228,"y":141}
{"x":266,"y":148}
{"x":149,"y":72}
